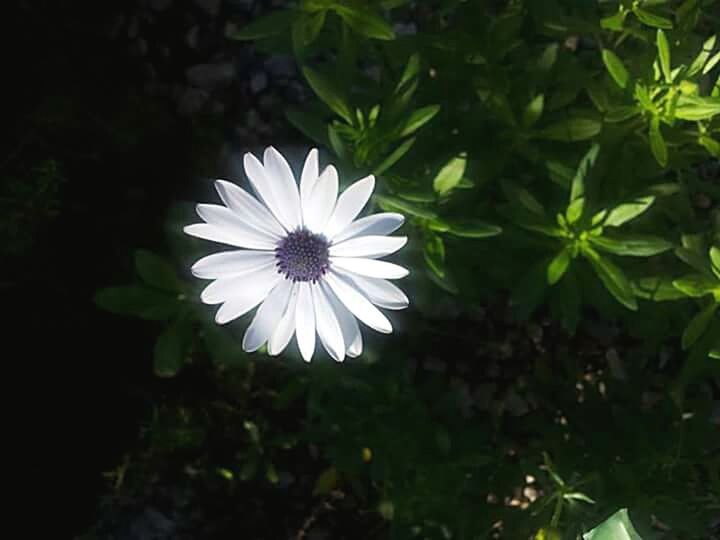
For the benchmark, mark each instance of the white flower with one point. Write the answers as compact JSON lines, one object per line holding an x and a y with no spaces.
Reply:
{"x":310,"y":265}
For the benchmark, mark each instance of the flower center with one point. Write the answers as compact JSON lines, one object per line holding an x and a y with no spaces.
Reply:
{"x":303,"y":256}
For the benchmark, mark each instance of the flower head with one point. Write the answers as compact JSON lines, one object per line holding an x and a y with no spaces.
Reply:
{"x":311,"y":266}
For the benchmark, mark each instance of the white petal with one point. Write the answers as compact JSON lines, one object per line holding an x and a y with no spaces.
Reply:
{"x":348,"y":324}
{"x":369,"y":267}
{"x":349,"y":205}
{"x":379,"y":291}
{"x":358,"y":304}
{"x":327,"y":324}
{"x":377,"y":224}
{"x":309,"y":176}
{"x":322,"y":200}
{"x":305,"y":322}
{"x":248,"y":208}
{"x":285,"y":188}
{"x":267,"y":317}
{"x":368,"y":246}
{"x":286,"y":327}
{"x":259,"y":282}
{"x":244,"y":234}
{"x":249,"y":297}
{"x":229,"y":263}
{"x":265,"y":187}
{"x":214,"y":234}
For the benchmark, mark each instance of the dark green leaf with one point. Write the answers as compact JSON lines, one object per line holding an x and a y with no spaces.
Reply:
{"x":156,"y":271}
{"x":394,"y":204}
{"x":365,"y":22}
{"x":572,"y":129}
{"x":636,"y":245}
{"x":517,"y":194}
{"x":307,"y":27}
{"x":473,"y":229}
{"x":419,"y":118}
{"x":657,"y":143}
{"x":613,"y":278}
{"x":434,"y":253}
{"x":394,"y":157}
{"x":558,"y":266}
{"x":170,"y":350}
{"x":137,"y":301}
{"x":657,"y":288}
{"x":697,"y":326}
{"x":327,"y":91}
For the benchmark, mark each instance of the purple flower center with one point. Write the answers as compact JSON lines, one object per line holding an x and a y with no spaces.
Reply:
{"x":303,"y":256}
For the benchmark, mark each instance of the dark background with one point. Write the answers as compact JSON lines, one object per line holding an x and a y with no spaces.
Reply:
{"x":101,"y":90}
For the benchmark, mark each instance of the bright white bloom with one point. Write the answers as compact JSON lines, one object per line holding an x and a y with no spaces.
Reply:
{"x":306,"y":261}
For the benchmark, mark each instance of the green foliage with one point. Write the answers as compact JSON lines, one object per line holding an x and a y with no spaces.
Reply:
{"x":549,"y":150}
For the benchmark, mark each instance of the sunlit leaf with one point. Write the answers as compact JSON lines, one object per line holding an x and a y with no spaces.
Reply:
{"x":558,"y":266}
{"x":616,"y":68}
{"x":637,"y":245}
{"x":657,"y":143}
{"x":628,"y":211}
{"x":327,"y":91}
{"x":664,"y":55}
{"x":450,"y":174}
{"x":616,"y":527}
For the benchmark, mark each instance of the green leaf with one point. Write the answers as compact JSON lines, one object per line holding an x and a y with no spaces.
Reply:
{"x":394,"y":157}
{"x":657,"y":143}
{"x":658,"y":288}
{"x":616,"y":68}
{"x":394,"y":204}
{"x":365,"y":22}
{"x":309,"y":124}
{"x":652,"y":19}
{"x":270,"y":25}
{"x":715,"y":261}
{"x":137,"y":301}
{"x":711,"y":63}
{"x":613,"y":278}
{"x":533,"y":111}
{"x":697,"y":325}
{"x":577,"y":187}
{"x":697,"y":108}
{"x":156,"y":271}
{"x":558,"y":266}
{"x":169,"y":353}
{"x":418,"y":118}
{"x":625,"y":212}
{"x":710,"y":144}
{"x":434,"y":253}
{"x":616,"y":527}
{"x":307,"y":27}
{"x":663,"y":49}
{"x":450,"y":175}
{"x":614,"y":22}
{"x":636,"y":245}
{"x":572,"y":129}
{"x":327,"y":91}
{"x":621,"y":113}
{"x":517,"y":194}
{"x":696,"y":285}
{"x":336,"y":143}
{"x":473,"y":229}
{"x":699,"y":62}
{"x":326,"y":481}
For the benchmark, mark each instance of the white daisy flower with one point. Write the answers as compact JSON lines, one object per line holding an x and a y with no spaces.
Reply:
{"x":310,"y":265}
